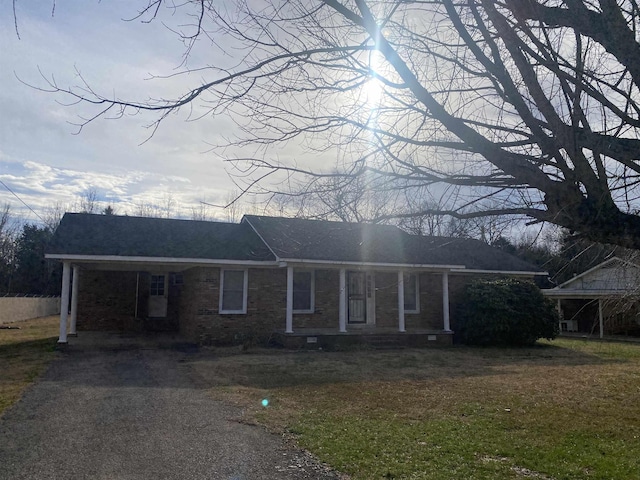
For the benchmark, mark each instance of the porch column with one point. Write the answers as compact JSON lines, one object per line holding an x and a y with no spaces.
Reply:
{"x":401,"y":327}
{"x":600,"y":319}
{"x":289,"y":320}
{"x":445,"y":302}
{"x":64,"y":301}
{"x":342,"y":313}
{"x":74,"y":301}
{"x":559,"y":308}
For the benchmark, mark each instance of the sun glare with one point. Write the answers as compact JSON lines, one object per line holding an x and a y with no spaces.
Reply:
{"x":373,"y":88}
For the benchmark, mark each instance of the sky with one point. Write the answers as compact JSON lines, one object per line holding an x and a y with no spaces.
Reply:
{"x":45,"y":161}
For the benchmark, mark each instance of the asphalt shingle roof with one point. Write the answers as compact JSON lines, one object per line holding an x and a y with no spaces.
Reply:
{"x":289,"y":238}
{"x":88,"y":234}
{"x":294,"y":238}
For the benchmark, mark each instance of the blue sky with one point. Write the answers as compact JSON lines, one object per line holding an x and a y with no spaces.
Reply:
{"x":44,"y":160}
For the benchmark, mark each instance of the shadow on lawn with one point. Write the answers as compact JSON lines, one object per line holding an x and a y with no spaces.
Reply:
{"x":276,"y":369}
{"x":17,"y":348}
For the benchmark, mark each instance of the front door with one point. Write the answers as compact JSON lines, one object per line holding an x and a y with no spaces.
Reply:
{"x":158,"y":291}
{"x":357,"y":297}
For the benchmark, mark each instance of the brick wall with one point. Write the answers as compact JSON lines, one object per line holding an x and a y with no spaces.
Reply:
{"x":386,"y":299}
{"x":430,"y":316}
{"x":107,"y":301}
{"x":327,"y":303}
{"x":266,"y":307}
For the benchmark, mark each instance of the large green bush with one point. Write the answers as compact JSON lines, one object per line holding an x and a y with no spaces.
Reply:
{"x":506,"y":312}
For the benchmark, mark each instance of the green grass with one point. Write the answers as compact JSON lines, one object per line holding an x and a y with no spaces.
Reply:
{"x":567,"y":409}
{"x":24,"y":354}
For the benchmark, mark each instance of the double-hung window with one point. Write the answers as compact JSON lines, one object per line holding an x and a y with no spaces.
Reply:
{"x":411,"y":293}
{"x":303,"y":291}
{"x":233,"y":291}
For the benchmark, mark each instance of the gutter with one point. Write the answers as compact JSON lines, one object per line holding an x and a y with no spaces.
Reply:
{"x":285,"y":261}
{"x":502,"y":272}
{"x":157,"y":260}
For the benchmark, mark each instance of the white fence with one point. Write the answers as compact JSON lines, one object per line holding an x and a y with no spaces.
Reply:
{"x":13,"y":309}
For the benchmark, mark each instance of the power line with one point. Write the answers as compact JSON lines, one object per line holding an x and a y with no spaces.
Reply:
{"x":23,"y":202}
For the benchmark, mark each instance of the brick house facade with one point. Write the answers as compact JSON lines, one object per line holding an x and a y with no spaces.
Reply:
{"x":266,"y":278}
{"x":107,"y":301}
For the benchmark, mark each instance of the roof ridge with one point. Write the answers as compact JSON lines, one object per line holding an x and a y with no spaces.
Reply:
{"x":319,"y":220}
{"x":138,"y":217}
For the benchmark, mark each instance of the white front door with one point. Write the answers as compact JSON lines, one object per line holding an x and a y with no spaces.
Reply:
{"x":158,"y":291}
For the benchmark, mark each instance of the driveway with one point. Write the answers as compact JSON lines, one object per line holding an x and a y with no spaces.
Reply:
{"x":114,"y":410}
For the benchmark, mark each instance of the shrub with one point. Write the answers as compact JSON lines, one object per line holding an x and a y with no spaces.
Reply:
{"x":506,"y":312}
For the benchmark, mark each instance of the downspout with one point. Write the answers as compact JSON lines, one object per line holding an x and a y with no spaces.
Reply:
{"x":137,"y":289}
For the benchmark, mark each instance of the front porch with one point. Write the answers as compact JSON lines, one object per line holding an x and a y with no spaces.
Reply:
{"x":329,"y":339}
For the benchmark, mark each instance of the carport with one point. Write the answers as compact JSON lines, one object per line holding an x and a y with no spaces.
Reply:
{"x":149,"y":295}
{"x":612,"y":286}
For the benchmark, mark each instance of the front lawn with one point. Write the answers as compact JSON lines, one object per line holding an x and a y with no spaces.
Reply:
{"x":567,"y":409}
{"x":25,"y":351}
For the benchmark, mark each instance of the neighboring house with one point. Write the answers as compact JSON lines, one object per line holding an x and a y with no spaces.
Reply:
{"x":286,"y":279}
{"x":604,"y":299}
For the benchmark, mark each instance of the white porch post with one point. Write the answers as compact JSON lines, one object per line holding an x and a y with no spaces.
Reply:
{"x":289,"y":320}
{"x":445,"y":302}
{"x":64,"y":302}
{"x":559,"y":308}
{"x":74,"y":301}
{"x":342,"y":313}
{"x":401,"y":326}
{"x":601,"y":320}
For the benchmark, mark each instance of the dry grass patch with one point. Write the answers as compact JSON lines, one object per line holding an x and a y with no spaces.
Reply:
{"x":562,"y":410}
{"x":24,"y":353}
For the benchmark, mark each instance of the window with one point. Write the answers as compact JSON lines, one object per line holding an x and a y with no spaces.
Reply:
{"x":177,"y":279}
{"x":303,"y":291}
{"x":233,"y":291}
{"x":411,"y":293}
{"x":156,"y":288}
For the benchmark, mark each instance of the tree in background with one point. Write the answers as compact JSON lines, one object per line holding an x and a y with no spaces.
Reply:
{"x":7,"y":248}
{"x":532,"y":104}
{"x":33,"y":273}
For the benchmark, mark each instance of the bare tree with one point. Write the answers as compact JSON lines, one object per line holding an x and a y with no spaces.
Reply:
{"x":165,"y":209}
{"x":148,"y":209}
{"x":533,"y":103}
{"x":200,"y":212}
{"x":88,"y":201}
{"x":168,"y":205}
{"x":233,"y":206}
{"x":53,"y":214}
{"x":8,"y":236}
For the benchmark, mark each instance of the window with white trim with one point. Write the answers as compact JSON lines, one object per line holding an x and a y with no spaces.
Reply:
{"x":411,"y":293}
{"x":303,"y":291}
{"x":233,"y":291}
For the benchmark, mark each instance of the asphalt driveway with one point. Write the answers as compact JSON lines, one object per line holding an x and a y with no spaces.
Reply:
{"x":131,"y":411}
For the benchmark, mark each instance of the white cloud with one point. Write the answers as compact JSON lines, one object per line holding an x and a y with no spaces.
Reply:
{"x":42,"y":186}
{"x":41,"y":159}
